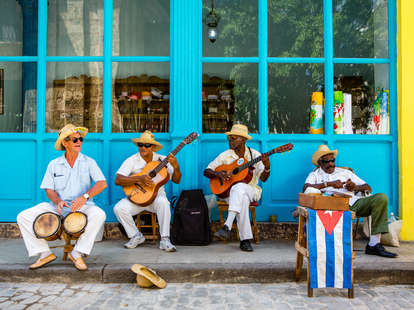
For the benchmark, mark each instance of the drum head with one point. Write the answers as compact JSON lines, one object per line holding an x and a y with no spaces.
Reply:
{"x":74,"y":222}
{"x":46,"y":224}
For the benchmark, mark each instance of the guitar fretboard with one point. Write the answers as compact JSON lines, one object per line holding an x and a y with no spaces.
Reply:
{"x":164,"y":162}
{"x":256,"y":160}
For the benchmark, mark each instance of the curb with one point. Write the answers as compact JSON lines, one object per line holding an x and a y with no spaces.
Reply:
{"x":381,"y":273}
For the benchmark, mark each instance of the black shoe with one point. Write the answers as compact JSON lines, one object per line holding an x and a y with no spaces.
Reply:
{"x":379,"y":250}
{"x":223,"y":233}
{"x":246,"y":246}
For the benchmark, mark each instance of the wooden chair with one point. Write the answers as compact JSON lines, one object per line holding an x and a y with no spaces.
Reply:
{"x":224,"y":207}
{"x":68,"y":247}
{"x":301,"y":246}
{"x":153,"y":234}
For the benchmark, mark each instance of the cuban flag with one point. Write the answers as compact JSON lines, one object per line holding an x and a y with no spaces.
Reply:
{"x":329,"y":246}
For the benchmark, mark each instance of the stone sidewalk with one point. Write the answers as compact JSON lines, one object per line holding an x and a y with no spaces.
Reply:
{"x":271,"y":262}
{"x":182,"y":296}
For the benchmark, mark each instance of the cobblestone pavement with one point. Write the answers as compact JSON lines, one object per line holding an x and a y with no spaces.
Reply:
{"x":200,"y":296}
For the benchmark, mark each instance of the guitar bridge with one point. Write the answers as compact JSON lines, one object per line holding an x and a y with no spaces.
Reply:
{"x":140,"y":187}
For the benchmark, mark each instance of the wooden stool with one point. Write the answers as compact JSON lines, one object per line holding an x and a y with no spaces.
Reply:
{"x":301,"y":246}
{"x":224,"y":207}
{"x":153,"y":235}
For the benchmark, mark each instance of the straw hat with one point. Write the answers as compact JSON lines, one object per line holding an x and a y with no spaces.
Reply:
{"x":239,"y":130}
{"x":148,"y":137}
{"x":147,"y":277}
{"x":66,"y":131}
{"x":322,"y":151}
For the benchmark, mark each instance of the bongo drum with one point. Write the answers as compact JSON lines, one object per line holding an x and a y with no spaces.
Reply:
{"x":74,"y":223}
{"x":47,"y":226}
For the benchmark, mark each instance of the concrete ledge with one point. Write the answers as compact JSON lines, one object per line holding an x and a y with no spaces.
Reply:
{"x":197,"y":273}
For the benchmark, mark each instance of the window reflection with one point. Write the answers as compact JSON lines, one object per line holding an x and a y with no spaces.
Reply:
{"x":295,"y":28}
{"x":141,"y":97}
{"x":361,"y":99}
{"x":291,"y":92}
{"x":230,"y":95}
{"x":74,"y":95}
{"x":75,"y":27}
{"x":237,"y":30}
{"x":18,"y":97}
{"x":360,"y":28}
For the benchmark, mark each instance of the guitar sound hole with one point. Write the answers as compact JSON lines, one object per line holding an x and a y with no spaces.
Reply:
{"x":152,"y":174}
{"x":236,"y":171}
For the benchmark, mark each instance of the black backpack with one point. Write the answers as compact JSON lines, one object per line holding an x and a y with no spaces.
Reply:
{"x":191,"y":224}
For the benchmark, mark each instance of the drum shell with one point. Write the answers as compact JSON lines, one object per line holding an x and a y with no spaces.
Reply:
{"x":66,"y":223}
{"x":55,"y":234}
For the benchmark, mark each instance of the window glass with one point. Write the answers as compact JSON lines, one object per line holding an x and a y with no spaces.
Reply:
{"x":74,"y":95}
{"x":18,"y":97}
{"x":75,"y":27}
{"x":361,"y":99}
{"x":141,"y":28}
{"x":237,"y":29}
{"x":230,"y":95}
{"x":140,"y":96}
{"x":295,"y":28}
{"x":360,"y":28}
{"x":18,"y":38}
{"x":292,"y":89}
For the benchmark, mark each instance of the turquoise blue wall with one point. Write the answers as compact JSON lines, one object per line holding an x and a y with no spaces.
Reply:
{"x":25,"y":155}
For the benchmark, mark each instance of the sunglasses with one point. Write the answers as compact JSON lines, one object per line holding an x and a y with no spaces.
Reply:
{"x":147,"y":145}
{"x":74,"y":140}
{"x":323,"y":161}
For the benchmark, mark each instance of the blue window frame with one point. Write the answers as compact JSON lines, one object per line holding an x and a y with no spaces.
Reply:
{"x":186,"y":62}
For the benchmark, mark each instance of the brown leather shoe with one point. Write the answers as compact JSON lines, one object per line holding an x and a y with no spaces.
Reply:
{"x":41,"y":262}
{"x":79,"y":263}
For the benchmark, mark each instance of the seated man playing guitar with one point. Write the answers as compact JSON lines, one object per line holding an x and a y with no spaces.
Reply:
{"x":132,"y":174}
{"x":241,"y":194}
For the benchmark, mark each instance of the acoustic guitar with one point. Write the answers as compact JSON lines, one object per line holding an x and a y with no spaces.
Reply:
{"x":144,"y":195}
{"x":241,"y":171}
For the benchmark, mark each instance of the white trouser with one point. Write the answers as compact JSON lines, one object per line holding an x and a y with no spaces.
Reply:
{"x":125,"y":210}
{"x":241,"y":195}
{"x":25,"y":219}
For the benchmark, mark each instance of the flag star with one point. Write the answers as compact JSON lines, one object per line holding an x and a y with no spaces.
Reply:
{"x":328,"y":212}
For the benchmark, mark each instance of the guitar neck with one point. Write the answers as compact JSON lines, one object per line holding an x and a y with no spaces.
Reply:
{"x":164,"y":162}
{"x":256,"y":160}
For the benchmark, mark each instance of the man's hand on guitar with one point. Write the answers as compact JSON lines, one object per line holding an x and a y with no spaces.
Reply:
{"x":173,"y":161}
{"x":266,"y":161}
{"x":223,"y":175}
{"x":143,"y":180}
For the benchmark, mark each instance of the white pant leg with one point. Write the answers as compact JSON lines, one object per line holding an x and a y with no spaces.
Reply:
{"x":96,"y":218}
{"x":161,"y":206}
{"x":241,"y":194}
{"x":25,"y":221}
{"x":124,"y":211}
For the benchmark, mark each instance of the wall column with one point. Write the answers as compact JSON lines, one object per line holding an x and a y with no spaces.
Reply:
{"x":405,"y":67}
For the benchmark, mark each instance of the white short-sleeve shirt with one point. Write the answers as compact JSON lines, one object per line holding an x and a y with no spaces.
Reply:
{"x":319,"y":176}
{"x":70,"y":183}
{"x":135,"y":164}
{"x":229,"y":156}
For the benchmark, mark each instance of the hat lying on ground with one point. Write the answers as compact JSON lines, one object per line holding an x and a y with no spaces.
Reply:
{"x":147,"y":277}
{"x":148,"y":137}
{"x":322,"y":151}
{"x":66,"y":131}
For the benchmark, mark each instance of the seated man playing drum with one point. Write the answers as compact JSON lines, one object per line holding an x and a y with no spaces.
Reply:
{"x":328,"y":178}
{"x":68,"y":184}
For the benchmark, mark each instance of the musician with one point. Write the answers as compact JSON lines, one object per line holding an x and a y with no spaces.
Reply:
{"x":327,"y":178}
{"x":125,"y":209}
{"x":241,"y":194}
{"x":68,"y":184}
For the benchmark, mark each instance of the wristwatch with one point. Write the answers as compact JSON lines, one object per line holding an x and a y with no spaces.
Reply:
{"x":325,"y":184}
{"x":86,"y":196}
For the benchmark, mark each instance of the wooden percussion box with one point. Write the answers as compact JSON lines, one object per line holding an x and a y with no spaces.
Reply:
{"x":319,"y":202}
